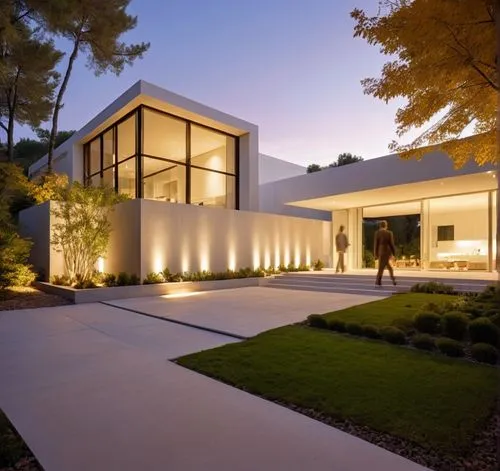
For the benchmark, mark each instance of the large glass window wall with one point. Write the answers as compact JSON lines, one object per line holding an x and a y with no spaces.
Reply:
{"x":151,"y":154}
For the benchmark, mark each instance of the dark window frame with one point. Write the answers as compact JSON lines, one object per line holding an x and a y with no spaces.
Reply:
{"x":445,"y":233}
{"x":138,"y":112}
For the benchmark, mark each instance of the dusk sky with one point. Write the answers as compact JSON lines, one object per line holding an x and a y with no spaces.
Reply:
{"x":290,"y":66}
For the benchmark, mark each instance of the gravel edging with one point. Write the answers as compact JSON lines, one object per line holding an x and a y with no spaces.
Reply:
{"x":484,"y":454}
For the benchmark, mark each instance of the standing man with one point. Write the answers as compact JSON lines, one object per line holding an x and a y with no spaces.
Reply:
{"x":384,"y":250}
{"x":341,"y":244}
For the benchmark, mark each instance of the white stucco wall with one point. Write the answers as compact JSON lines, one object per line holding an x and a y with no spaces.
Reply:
{"x":272,"y":169}
{"x":149,"y":236}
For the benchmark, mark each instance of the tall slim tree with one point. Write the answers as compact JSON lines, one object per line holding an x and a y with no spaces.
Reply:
{"x":93,"y":28}
{"x":27,"y":82}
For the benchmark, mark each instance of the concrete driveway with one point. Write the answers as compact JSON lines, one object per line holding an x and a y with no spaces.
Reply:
{"x":243,"y":312}
{"x":89,"y":387}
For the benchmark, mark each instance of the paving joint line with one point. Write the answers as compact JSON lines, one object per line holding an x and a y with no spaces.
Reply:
{"x":175,"y":321}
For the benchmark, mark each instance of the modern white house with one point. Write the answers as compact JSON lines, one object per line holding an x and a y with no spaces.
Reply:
{"x":203,"y":198}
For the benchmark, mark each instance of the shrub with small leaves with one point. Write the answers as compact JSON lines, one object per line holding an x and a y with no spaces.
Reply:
{"x":432,"y":287}
{"x":318,"y":265}
{"x":153,"y":278}
{"x":423,"y":342}
{"x":303,"y":267}
{"x":337,"y":325}
{"x":393,"y":335}
{"x":482,"y":330}
{"x":123,"y":279}
{"x":61,"y":280}
{"x":427,"y":322}
{"x":109,"y":280}
{"x":354,"y":328}
{"x":454,"y":325}
{"x":134,"y":279}
{"x":450,"y":347}
{"x":484,"y":353}
{"x":370,"y":331}
{"x":318,"y":321}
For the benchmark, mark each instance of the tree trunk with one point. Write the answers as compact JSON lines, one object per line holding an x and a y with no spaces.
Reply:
{"x":10,"y":138}
{"x":58,"y":104}
{"x":497,"y":26}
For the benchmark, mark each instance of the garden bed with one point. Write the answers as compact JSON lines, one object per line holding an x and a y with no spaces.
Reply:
{"x":28,"y":298}
{"x":93,"y":295}
{"x":431,"y":409}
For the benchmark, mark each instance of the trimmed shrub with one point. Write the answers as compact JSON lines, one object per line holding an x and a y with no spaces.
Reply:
{"x":370,"y":331}
{"x":427,"y":322}
{"x":153,"y":278}
{"x":423,"y":342}
{"x":432,"y":307}
{"x":109,"y":280}
{"x":403,"y":323}
{"x":484,"y":353}
{"x":84,"y":284}
{"x":318,"y":265}
{"x":354,"y":328}
{"x":134,"y":280}
{"x":61,"y":280}
{"x":432,"y":287}
{"x":337,"y":325}
{"x":450,"y":347}
{"x":495,"y":320}
{"x":393,"y":335}
{"x":482,"y":330}
{"x":455,"y":325}
{"x":303,"y":267}
{"x":317,"y":320}
{"x":123,"y":279}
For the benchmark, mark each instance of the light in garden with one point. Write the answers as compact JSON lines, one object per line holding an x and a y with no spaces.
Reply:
{"x":158,"y":261}
{"x":100,"y":265}
{"x":232,"y":258}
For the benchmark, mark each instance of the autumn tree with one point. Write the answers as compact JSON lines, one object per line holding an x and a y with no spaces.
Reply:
{"x":94,"y":29}
{"x":443,"y":64}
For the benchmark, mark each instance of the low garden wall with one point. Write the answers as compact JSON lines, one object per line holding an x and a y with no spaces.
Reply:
{"x":94,"y":295}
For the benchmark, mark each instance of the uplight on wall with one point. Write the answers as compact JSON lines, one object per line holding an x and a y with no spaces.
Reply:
{"x":100,"y":265}
{"x":256,"y":258}
{"x":232,"y":259}
{"x":158,"y":261}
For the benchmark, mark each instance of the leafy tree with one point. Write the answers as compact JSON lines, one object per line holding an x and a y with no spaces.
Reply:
{"x":94,"y":28}
{"x":27,"y":82}
{"x":314,"y":168}
{"x":83,"y":228}
{"x":346,"y":159}
{"x":342,"y":159}
{"x":445,"y":68}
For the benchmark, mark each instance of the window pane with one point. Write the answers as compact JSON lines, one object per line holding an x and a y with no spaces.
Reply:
{"x":212,"y":189}
{"x":164,"y":136}
{"x":108,"y":177}
{"x":126,"y":139}
{"x":164,"y":180}
{"x":95,"y":180}
{"x":95,"y":156}
{"x":212,"y":150}
{"x":126,"y":178}
{"x":108,"y":149}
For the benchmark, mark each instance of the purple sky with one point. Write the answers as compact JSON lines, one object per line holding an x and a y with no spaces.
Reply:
{"x":290,"y":66}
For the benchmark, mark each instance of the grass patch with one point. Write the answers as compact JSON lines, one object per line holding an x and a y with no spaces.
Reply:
{"x":12,"y":447}
{"x":396,"y":310}
{"x":434,"y":401}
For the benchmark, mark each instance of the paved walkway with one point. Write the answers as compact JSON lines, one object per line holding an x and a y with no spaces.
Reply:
{"x":89,"y":388}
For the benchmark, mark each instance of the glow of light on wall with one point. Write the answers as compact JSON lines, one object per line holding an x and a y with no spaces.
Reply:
{"x":286,"y":257}
{"x":256,"y":257}
{"x":277,"y":258}
{"x":204,"y":247}
{"x":267,"y":257}
{"x":469,"y":243}
{"x":204,"y":261}
{"x":158,"y":261}
{"x":232,"y":258}
{"x":308,"y":255}
{"x":100,"y":265}
{"x":296,"y":255}
{"x":185,"y":261}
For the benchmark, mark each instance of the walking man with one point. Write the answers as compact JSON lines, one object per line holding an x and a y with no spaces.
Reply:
{"x":384,"y":251}
{"x":341,"y":244}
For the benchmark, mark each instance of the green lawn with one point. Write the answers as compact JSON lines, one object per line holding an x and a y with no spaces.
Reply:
{"x":434,"y":401}
{"x":395,"y":310}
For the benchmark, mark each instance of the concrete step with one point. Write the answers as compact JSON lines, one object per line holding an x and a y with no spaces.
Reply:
{"x":381,"y":292}
{"x":363,"y":284}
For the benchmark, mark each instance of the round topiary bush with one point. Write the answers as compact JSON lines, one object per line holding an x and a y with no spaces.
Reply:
{"x":454,"y":325}
{"x":482,"y":330}
{"x":427,"y":322}
{"x":423,"y":342}
{"x":484,"y":353}
{"x":450,"y":347}
{"x":393,"y":335}
{"x":337,"y":325}
{"x":371,"y":332}
{"x":354,"y":328}
{"x":318,"y":321}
